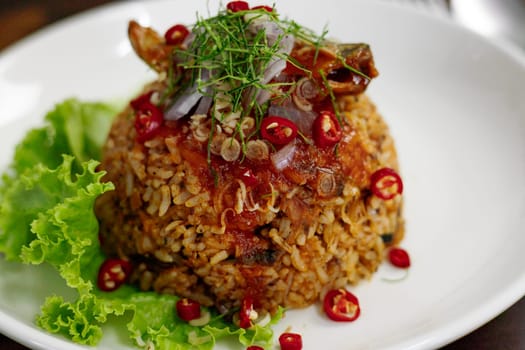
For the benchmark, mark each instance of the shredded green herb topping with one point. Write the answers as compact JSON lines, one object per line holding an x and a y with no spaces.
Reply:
{"x":226,"y":45}
{"x":233,"y":58}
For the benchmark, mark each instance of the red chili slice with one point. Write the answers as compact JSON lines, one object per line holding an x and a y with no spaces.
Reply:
{"x":148,"y":120}
{"x":113,"y":273}
{"x":278,"y":130}
{"x":340,"y":305}
{"x":291,"y":341}
{"x":263,"y":7}
{"x":236,"y":6}
{"x":254,"y":347}
{"x":326,"y":130}
{"x":188,"y":309}
{"x":399,"y":257}
{"x":176,"y":34}
{"x":246,"y":312}
{"x":386,"y":183}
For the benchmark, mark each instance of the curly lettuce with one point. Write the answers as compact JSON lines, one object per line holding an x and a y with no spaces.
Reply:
{"x":47,"y":217}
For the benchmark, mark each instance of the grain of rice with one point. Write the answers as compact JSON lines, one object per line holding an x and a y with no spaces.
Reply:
{"x":181,"y":198}
{"x":301,"y":239}
{"x":196,"y":200}
{"x":165,"y":201}
{"x":145,"y":245}
{"x":217,"y":258}
{"x":129,"y":183}
{"x":163,"y":255}
{"x":296,"y":259}
{"x":137,"y":166}
{"x":327,"y":217}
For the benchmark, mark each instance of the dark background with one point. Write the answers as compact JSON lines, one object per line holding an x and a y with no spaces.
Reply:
{"x":21,"y":18}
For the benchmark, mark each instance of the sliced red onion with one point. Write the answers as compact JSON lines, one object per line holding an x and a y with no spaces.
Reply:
{"x":277,"y":64}
{"x":204,"y":104}
{"x":283,"y":157}
{"x":255,"y":20}
{"x":184,"y":103}
{"x":188,"y":41}
{"x":190,"y":38}
{"x":286,"y":44}
{"x":263,"y":95}
{"x":274,"y":33}
{"x":303,"y":119}
{"x":184,"y":55}
{"x":275,"y":67}
{"x":283,"y":78}
{"x":270,"y":28}
{"x":188,"y":99}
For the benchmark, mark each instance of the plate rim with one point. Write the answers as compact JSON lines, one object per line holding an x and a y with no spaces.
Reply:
{"x":495,"y":306}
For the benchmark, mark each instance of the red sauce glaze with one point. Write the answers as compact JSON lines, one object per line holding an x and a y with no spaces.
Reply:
{"x":195,"y":154}
{"x":348,"y":159}
{"x":246,"y":220}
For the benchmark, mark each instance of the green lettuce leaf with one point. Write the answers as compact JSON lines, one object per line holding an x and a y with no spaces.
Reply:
{"x":72,"y":127}
{"x":46,"y":216}
{"x":32,"y":187}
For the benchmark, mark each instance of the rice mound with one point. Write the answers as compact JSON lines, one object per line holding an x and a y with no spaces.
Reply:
{"x":197,"y":231}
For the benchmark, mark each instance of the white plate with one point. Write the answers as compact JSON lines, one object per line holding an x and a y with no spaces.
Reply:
{"x":456,"y":107}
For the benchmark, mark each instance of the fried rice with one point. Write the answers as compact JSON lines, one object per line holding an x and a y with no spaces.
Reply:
{"x":198,"y":224}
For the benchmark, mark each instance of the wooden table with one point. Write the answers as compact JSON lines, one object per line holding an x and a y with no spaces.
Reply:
{"x":20,"y":18}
